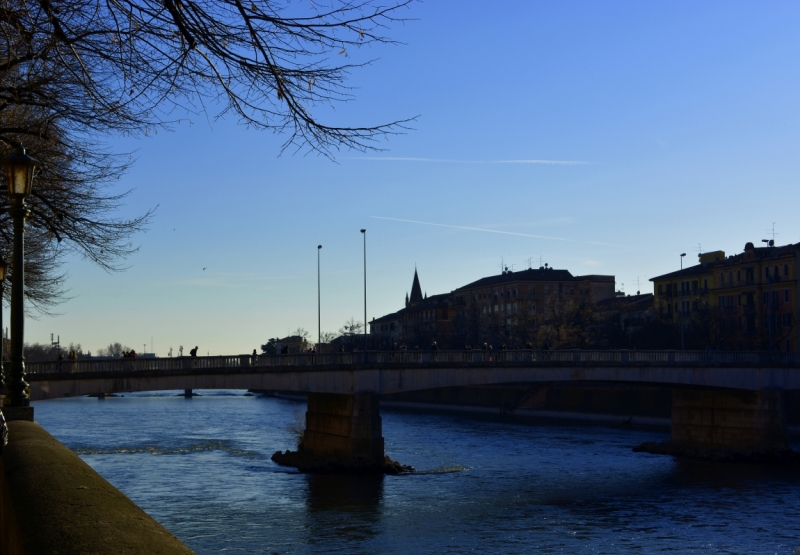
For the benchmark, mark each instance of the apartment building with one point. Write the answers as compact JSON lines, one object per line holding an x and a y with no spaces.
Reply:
{"x":751,"y":298}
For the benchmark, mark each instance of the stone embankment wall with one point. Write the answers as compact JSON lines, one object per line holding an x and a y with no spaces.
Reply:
{"x":623,"y":401}
{"x":644,"y":402}
{"x":53,"y":502}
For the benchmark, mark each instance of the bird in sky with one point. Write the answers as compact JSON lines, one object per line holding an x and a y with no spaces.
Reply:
{"x":204,"y":269}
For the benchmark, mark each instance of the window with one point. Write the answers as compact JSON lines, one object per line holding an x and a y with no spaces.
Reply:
{"x":496,"y":308}
{"x":738,"y":275}
{"x":705,"y":283}
{"x":788,"y":345}
{"x":775,"y":272}
{"x":722,"y":278}
{"x":722,"y":302}
{"x":766,"y":272}
{"x":786,"y":296}
{"x":786,"y":270}
{"x":660,"y":287}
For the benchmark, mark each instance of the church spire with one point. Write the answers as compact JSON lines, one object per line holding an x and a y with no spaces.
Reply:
{"x":416,"y":290}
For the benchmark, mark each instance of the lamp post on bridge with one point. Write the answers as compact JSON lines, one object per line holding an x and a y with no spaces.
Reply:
{"x":681,"y":279}
{"x":20,"y":170}
{"x":364,"y":233}
{"x":319,"y":304}
{"x":3,"y":273}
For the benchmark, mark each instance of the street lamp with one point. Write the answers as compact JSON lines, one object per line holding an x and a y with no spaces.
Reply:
{"x":319,"y":305}
{"x":364,"y":233}
{"x":20,"y":169}
{"x":3,"y":274}
{"x":681,"y":280}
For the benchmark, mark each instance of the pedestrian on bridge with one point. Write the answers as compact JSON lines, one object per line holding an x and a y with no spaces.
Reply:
{"x":193,"y":352}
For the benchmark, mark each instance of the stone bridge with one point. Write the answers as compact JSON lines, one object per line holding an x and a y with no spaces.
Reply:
{"x":723,"y":402}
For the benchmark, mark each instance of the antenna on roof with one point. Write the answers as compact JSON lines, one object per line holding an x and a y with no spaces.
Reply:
{"x":699,"y":248}
{"x":502,"y":266}
{"x":637,"y":285}
{"x":530,"y":262}
{"x":773,"y":231}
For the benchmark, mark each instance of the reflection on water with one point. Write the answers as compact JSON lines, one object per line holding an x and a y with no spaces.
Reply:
{"x":201,"y":467}
{"x":343,"y":508}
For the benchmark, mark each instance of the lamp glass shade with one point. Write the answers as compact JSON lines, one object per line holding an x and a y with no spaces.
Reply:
{"x":19,"y":172}
{"x":3,"y":269}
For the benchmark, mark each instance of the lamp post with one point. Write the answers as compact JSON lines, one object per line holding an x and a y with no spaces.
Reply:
{"x":319,"y":305}
{"x":681,"y":279}
{"x":364,"y":233}
{"x":20,"y":169}
{"x":3,"y":274}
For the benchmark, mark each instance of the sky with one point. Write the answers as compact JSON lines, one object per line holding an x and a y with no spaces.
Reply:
{"x":598,"y":137}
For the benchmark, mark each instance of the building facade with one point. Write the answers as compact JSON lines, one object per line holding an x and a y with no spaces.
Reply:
{"x":489,"y":309}
{"x":746,"y":301}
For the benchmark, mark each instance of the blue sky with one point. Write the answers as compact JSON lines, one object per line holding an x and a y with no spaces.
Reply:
{"x":672,"y":125}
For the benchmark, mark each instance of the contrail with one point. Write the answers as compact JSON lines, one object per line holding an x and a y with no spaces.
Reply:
{"x":452,"y":161}
{"x":498,"y":231}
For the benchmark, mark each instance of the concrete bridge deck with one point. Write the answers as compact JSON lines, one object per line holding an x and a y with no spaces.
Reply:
{"x":724,"y":403}
{"x":401,"y":371}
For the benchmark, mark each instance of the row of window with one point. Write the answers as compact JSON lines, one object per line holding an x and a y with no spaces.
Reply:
{"x":425,"y":315}
{"x":769,"y":271}
{"x":779,"y":321}
{"x":784,"y":295}
{"x":513,"y":293}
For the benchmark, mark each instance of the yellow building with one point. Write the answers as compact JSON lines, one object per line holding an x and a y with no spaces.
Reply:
{"x":744,"y":301}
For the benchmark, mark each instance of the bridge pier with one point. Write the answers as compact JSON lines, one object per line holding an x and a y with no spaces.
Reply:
{"x":342,"y":433}
{"x":345,"y":429}
{"x":727,"y":424}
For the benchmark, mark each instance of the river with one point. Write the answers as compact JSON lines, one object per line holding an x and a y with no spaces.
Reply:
{"x":202,"y":468}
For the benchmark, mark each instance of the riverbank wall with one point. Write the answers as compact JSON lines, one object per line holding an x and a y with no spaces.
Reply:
{"x":51,"y":502}
{"x":613,"y":404}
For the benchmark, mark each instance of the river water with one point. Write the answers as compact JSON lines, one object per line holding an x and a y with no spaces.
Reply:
{"x":202,"y":468}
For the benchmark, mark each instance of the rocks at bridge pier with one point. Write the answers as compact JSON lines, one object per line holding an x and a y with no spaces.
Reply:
{"x":688,"y":451}
{"x":308,"y":462}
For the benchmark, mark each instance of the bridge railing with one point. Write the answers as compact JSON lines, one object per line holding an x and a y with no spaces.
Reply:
{"x":529,"y":357}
